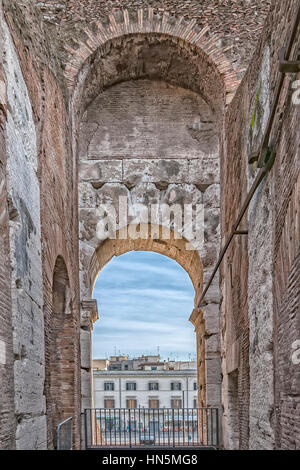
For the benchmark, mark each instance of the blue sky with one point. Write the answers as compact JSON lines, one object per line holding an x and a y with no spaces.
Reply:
{"x":144,"y":301}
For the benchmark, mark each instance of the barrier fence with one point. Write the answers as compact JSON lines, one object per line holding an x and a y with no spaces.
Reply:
{"x":64,"y":435}
{"x":160,"y":427}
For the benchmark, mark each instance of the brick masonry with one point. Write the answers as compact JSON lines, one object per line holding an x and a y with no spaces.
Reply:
{"x":263,"y":411}
{"x":217,"y":61}
{"x":7,"y":422}
{"x":124,"y":150}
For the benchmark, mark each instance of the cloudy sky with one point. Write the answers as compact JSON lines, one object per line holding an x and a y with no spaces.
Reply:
{"x":144,"y":301}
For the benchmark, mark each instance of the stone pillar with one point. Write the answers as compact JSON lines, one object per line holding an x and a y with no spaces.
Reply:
{"x":89,"y":314}
{"x":212,"y":355}
{"x":207,"y":327}
{"x":197,"y":320}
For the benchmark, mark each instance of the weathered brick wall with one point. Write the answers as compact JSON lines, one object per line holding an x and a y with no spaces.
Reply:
{"x":7,"y":421}
{"x":23,"y":192}
{"x":55,"y":223}
{"x":286,"y":237}
{"x":140,"y":111}
{"x":260,"y":274}
{"x":260,"y":315}
{"x":154,"y":143}
{"x":60,"y":239}
{"x":236,"y":32}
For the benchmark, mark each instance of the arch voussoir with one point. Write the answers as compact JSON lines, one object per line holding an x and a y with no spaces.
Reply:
{"x":144,"y":22}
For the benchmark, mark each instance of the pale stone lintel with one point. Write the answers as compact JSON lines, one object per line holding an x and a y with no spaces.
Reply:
{"x":232,"y":357}
{"x":89,"y":313}
{"x":196,"y":317}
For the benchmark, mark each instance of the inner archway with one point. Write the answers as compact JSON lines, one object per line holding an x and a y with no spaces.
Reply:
{"x":148,"y":133}
{"x":60,"y":356}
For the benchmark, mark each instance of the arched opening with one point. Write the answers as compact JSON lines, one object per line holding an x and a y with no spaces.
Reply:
{"x":177,"y":392}
{"x":155,"y":295}
{"x":59,"y":382}
{"x":145,"y":300}
{"x":148,"y":132}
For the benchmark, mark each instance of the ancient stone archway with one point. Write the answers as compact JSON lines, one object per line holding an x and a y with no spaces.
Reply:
{"x":173,"y":248}
{"x":148,"y":108}
{"x":99,"y":37}
{"x":206,"y":325}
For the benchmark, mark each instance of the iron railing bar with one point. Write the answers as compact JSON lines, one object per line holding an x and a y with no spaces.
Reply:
{"x":174,"y":427}
{"x":212,"y":426}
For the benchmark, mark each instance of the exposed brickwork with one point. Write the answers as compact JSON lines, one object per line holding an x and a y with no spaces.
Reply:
{"x":231,"y":27}
{"x":59,"y":226}
{"x":273,"y":215}
{"x":58,"y":214}
{"x":7,"y":421}
{"x":66,"y":79}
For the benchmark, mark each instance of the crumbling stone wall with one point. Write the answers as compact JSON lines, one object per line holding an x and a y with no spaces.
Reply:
{"x":154,"y":143}
{"x":43,"y":224}
{"x":53,"y":74}
{"x":7,"y":421}
{"x":25,"y":257}
{"x":262,"y":325}
{"x":234,"y":34}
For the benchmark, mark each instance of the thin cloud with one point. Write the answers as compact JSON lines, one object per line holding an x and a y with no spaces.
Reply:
{"x":145,"y":300}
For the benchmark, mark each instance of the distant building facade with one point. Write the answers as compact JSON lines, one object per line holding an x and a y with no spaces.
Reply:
{"x":148,"y":362}
{"x":150,"y":385}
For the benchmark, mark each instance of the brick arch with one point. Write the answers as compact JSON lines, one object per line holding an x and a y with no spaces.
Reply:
{"x":120,"y":24}
{"x":60,"y":353}
{"x":173,"y":248}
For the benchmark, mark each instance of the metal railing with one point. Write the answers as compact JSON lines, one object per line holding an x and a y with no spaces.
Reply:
{"x":160,"y":427}
{"x":64,"y":435}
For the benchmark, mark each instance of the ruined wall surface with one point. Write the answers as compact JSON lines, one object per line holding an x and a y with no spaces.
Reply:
{"x":112,"y":60}
{"x":25,"y":257}
{"x":153,"y":143}
{"x":7,"y":421}
{"x":143,"y":110}
{"x":234,"y":34}
{"x":259,"y":323}
{"x":60,"y":239}
{"x":44,"y":224}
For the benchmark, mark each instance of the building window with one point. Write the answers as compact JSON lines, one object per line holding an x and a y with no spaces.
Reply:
{"x":109,"y":386}
{"x":176,"y":403}
{"x":109,"y":403}
{"x":153,"y":368}
{"x":195,"y":386}
{"x":131,"y":403}
{"x":153,"y":386}
{"x":130,"y":386}
{"x":195,"y":402}
{"x":153,"y":403}
{"x":175,"y":385}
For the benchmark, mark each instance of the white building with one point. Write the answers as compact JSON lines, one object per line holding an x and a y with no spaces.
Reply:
{"x":145,"y":389}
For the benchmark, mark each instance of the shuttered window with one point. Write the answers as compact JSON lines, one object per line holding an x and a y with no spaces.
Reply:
{"x":109,"y":403}
{"x":131,"y":403}
{"x":153,"y":403}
